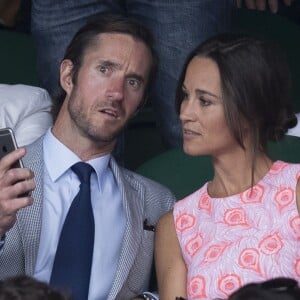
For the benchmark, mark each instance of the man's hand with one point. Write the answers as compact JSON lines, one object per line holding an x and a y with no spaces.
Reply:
{"x":13,"y":183}
{"x":263,"y":4}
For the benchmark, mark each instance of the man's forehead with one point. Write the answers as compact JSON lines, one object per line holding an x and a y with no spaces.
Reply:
{"x":110,"y":38}
{"x":115,"y":47}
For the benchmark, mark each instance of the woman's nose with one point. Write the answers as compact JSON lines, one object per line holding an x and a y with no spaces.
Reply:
{"x":187,"y":110}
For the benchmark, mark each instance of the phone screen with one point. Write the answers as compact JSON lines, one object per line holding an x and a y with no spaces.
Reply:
{"x":8,"y":144}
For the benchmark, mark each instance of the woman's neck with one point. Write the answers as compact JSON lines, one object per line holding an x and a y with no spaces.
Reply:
{"x":233,"y":174}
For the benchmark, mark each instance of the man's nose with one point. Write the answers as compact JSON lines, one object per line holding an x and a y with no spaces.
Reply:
{"x":115,"y":90}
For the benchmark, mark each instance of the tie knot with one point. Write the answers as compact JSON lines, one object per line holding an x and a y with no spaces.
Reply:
{"x":83,"y":171}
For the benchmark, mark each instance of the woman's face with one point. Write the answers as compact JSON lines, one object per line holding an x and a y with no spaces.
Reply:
{"x":205,"y":130}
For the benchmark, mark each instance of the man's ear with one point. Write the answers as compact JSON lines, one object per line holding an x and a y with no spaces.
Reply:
{"x":66,"y":78}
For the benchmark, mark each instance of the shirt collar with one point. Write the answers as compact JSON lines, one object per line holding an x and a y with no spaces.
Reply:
{"x":58,"y":158}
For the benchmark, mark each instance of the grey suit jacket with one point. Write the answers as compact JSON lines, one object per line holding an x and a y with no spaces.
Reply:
{"x":142,"y":199}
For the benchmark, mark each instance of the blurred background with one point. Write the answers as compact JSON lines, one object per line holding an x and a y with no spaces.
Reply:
{"x":142,"y":139}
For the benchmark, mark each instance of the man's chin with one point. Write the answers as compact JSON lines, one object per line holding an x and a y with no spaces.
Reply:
{"x":107,"y":139}
{"x":103,"y":135}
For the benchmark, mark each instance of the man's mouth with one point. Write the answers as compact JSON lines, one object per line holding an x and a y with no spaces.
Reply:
{"x":111,"y":112}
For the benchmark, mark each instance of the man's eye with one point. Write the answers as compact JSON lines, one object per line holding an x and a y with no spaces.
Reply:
{"x":134,"y":83}
{"x":103,"y":69}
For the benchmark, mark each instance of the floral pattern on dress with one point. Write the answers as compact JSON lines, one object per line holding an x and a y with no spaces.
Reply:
{"x":249,"y":259}
{"x":248,"y":237}
{"x":197,"y":287}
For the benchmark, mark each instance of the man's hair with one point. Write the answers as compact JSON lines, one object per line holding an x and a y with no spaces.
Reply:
{"x":87,"y":37}
{"x":27,"y":288}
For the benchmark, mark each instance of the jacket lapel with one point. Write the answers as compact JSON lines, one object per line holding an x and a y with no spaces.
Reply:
{"x":29,"y":218}
{"x":133,"y":199}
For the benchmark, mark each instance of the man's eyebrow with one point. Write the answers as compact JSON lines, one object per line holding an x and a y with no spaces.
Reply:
{"x":114,"y":65}
{"x":136,"y":76}
{"x":110,"y":64}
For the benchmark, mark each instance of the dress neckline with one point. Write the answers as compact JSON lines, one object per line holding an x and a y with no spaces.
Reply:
{"x":275,"y":166}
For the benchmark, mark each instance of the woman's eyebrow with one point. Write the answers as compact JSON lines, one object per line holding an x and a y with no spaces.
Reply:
{"x":201,"y":92}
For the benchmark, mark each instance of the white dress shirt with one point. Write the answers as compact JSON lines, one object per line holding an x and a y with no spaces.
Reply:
{"x":26,"y":109}
{"x":60,"y":187}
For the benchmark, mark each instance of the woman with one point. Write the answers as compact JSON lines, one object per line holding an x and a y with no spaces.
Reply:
{"x":243,"y":225}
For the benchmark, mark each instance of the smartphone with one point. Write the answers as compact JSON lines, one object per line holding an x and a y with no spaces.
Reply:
{"x":8,"y":144}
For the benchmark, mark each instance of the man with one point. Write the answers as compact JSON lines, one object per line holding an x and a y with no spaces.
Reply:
{"x":178,"y":26}
{"x":104,"y":77}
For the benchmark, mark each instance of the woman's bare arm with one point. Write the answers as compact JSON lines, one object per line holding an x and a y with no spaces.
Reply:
{"x":298,"y":195}
{"x":170,"y":266}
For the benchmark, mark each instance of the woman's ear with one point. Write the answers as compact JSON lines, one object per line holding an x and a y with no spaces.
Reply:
{"x":66,"y":75}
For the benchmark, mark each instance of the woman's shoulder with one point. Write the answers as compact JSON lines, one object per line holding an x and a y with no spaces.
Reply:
{"x":192,"y":198}
{"x":284,"y":171}
{"x":282,"y":175}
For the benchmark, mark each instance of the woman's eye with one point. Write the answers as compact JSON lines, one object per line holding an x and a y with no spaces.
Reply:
{"x":204,"y":102}
{"x":184,"y":95}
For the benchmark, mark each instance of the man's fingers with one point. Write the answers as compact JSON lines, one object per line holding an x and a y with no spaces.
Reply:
{"x":22,"y":188}
{"x":22,"y":202}
{"x":13,"y":176}
{"x":8,"y":160}
{"x":15,"y":185}
{"x":16,"y":182}
{"x":11,"y":206}
{"x":8,"y":211}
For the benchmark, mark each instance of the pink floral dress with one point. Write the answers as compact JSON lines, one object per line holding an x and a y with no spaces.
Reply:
{"x":248,"y":237}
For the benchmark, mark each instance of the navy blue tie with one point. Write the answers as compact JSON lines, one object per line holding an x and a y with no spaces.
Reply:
{"x":74,"y":254}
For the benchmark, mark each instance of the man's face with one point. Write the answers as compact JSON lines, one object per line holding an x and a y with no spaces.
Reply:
{"x":109,"y":88}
